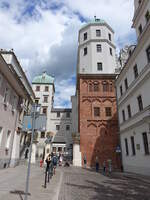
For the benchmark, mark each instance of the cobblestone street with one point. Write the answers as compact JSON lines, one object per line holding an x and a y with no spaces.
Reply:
{"x":74,"y":184}
{"x":79,"y":184}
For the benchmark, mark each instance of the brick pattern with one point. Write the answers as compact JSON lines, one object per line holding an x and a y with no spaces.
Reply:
{"x":98,"y":135}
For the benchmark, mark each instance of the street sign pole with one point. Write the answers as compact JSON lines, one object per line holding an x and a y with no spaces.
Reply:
{"x":30,"y":152}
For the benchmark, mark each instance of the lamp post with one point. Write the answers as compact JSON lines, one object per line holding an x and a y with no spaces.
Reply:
{"x":34,"y":114}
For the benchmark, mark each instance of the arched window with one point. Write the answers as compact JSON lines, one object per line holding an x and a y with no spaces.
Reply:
{"x":90,"y":87}
{"x":96,"y":87}
{"x":105,"y":87}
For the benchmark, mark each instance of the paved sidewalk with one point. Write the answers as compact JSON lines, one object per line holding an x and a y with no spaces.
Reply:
{"x":81,"y":184}
{"x":14,"y":179}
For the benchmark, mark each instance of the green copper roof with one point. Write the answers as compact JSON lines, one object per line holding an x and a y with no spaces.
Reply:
{"x":43,"y":79}
{"x":94,"y":21}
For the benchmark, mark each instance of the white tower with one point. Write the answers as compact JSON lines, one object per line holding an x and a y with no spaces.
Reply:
{"x":96,"y":50}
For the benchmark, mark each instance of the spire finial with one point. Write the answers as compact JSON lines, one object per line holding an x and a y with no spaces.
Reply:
{"x":95,"y":17}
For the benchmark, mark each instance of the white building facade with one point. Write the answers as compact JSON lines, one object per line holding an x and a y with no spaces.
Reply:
{"x":16,"y":97}
{"x":58,"y":120}
{"x":133,"y":95}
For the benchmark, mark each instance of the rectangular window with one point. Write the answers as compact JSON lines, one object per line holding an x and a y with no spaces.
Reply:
{"x":133,"y":145}
{"x":108,"y":111}
{"x":46,"y":88}
{"x":85,"y":36}
{"x":1,"y":80}
{"x":147,"y":16}
{"x":67,"y":127}
{"x":140,"y":102}
{"x":59,"y":149}
{"x":57,"y":127}
{"x":148,"y":54}
{"x":121,"y":92}
{"x":85,"y":51}
{"x":140,"y":29}
{"x":42,"y":134}
{"x":126,"y":146}
{"x":96,"y":111}
{"x":14,"y":102}
{"x":96,"y":87}
{"x":129,"y":111}
{"x":38,"y":88}
{"x":8,"y":139}
{"x":135,"y":69}
{"x":98,"y":33}
{"x":109,"y":36}
{"x":6,"y":95}
{"x":1,"y":134}
{"x":45,"y":99}
{"x":99,"y":47}
{"x":123,"y":115}
{"x":145,"y":142}
{"x":58,"y":114}
{"x":37,"y":101}
{"x":126,"y":83}
{"x":68,"y":114}
{"x":99,"y":66}
{"x":44,"y":110}
{"x":110,"y":49}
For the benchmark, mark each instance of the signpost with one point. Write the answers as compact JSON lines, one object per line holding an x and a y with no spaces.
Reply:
{"x":35,"y":121}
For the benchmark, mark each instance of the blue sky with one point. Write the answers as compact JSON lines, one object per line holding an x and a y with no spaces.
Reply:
{"x":44,"y":35}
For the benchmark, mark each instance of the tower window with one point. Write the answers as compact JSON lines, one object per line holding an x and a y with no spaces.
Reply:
{"x":85,"y":36}
{"x":96,"y":111}
{"x":99,"y":66}
{"x":37,"y":88}
{"x":46,"y":88}
{"x":108,"y":111}
{"x":109,"y":36}
{"x":98,"y":33}
{"x":140,"y":29}
{"x":110,"y":49}
{"x":85,"y":51}
{"x":99,"y":47}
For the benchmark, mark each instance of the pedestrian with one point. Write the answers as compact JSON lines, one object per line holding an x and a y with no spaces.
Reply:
{"x":54,"y":161}
{"x":84,"y":161}
{"x":60,"y":160}
{"x":48,"y":162}
{"x":97,"y":164}
{"x":104,"y":168}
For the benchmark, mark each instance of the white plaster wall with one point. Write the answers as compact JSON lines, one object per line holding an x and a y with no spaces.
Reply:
{"x":74,"y":100}
{"x":88,"y":63}
{"x":142,"y":20}
{"x":76,"y":155}
{"x":129,"y":74}
{"x":140,"y":162}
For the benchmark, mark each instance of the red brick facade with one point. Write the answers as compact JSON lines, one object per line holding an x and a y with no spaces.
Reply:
{"x":98,"y":134}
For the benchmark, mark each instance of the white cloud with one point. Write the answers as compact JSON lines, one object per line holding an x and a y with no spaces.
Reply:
{"x":46,"y":39}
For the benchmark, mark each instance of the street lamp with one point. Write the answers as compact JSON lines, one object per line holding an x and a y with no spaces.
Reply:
{"x":35,"y":112}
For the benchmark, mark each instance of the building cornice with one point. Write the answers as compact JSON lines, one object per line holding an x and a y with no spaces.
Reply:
{"x":144,"y":37}
{"x":139,"y":12}
{"x":97,"y":40}
{"x":96,"y":24}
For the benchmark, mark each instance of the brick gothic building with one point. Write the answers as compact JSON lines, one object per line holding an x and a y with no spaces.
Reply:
{"x":95,"y":96}
{"x":98,"y":124}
